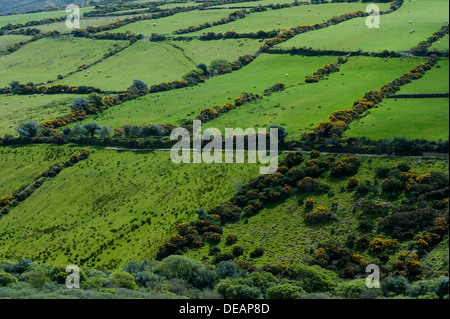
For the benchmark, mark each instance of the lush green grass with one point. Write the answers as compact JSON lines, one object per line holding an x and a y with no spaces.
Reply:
{"x":411,"y":118}
{"x":44,"y":59}
{"x":128,"y":201}
{"x":283,"y":232}
{"x":178,"y":21}
{"x":7,"y":41}
{"x":302,"y":107}
{"x":434,"y":81}
{"x":178,"y":105}
{"x":427,"y":17}
{"x":84,"y":23}
{"x":207,"y":51}
{"x":150,"y":62}
{"x":20,"y":165}
{"x":24,"y":18}
{"x":441,"y":44}
{"x":39,"y":109}
{"x":288,"y":17}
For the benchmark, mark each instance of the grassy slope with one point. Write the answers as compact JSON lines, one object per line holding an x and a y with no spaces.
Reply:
{"x":318,"y":100}
{"x":442,"y":44}
{"x":282,"y":231}
{"x":434,"y":81}
{"x":39,"y":109}
{"x":207,"y":51}
{"x":176,"y":105}
{"x":101,"y":199}
{"x":268,"y":20}
{"x":178,"y":21}
{"x":411,"y":118}
{"x":20,"y":165}
{"x":24,"y":18}
{"x":150,"y":62}
{"x":44,"y":59}
{"x":426,"y":16}
{"x":7,"y":41}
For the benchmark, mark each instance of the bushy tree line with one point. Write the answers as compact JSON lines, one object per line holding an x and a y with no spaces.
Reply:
{"x":235,"y":35}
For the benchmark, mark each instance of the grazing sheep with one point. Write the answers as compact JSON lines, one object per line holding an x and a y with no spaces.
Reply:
{"x":34,"y":95}
{"x":410,"y":22}
{"x":21,"y":101}
{"x":6,"y":103}
{"x":10,"y":126}
{"x":99,"y":71}
{"x":287,"y":75}
{"x":412,"y":31}
{"x":309,"y":9}
{"x":154,"y":24}
{"x":279,"y":23}
{"x":42,"y":94}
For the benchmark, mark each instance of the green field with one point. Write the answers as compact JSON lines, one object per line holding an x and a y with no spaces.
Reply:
{"x":441,"y":44}
{"x":20,"y":165}
{"x":45,"y":59}
{"x":178,"y":105}
{"x":177,"y":21}
{"x":39,"y":109}
{"x":394,"y":34}
{"x":287,"y":17}
{"x":207,"y":51}
{"x":318,"y":100}
{"x":411,"y":118}
{"x":24,"y":18}
{"x":434,"y":81}
{"x":117,"y":73}
{"x":7,"y":41}
{"x":281,"y":229}
{"x":134,"y":199}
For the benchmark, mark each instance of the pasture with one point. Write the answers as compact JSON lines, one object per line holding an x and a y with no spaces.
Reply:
{"x":426,"y":16}
{"x":45,"y":59}
{"x":150,"y":62}
{"x":114,"y":202}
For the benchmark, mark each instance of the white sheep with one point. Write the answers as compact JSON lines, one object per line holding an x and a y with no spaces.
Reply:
{"x":6,"y":103}
{"x":287,"y":75}
{"x":410,"y":22}
{"x":154,"y":24}
{"x":10,"y":126}
{"x":412,"y":31}
{"x":21,"y":101}
{"x":279,"y":23}
{"x":99,"y":71}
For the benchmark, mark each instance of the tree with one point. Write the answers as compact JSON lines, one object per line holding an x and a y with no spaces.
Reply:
{"x":204,"y":68}
{"x":6,"y":279}
{"x":180,"y":267}
{"x":443,"y":288}
{"x":282,"y":133}
{"x":95,"y":99}
{"x":78,"y":130}
{"x":153,"y":130}
{"x":286,"y":291}
{"x":80,"y":104}
{"x":139,"y":85}
{"x":105,"y":131}
{"x":122,"y":279}
{"x":28,"y":129}
{"x":14,"y":86}
{"x":92,"y":128}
